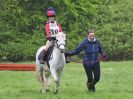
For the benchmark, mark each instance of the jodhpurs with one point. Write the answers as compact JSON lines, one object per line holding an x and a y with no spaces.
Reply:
{"x":92,"y":72}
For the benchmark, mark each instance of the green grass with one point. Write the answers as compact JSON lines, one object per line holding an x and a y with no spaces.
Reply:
{"x":116,"y":83}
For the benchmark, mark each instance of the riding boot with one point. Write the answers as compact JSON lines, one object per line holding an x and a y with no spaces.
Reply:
{"x":67,"y":60}
{"x":41,"y":56}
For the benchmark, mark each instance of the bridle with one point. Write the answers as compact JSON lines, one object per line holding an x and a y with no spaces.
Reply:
{"x":58,"y":45}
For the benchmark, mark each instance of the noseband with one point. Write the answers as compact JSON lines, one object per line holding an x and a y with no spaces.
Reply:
{"x":58,"y":46}
{"x":61,"y":43}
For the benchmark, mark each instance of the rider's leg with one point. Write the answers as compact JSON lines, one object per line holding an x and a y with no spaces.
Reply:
{"x":43,"y":52}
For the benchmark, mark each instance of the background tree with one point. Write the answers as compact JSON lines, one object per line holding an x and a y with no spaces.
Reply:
{"x":22,"y":25}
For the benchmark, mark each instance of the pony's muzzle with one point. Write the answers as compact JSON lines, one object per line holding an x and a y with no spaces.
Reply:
{"x":62,"y":50}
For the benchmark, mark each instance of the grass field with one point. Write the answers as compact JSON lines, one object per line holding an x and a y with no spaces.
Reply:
{"x":116,"y":83}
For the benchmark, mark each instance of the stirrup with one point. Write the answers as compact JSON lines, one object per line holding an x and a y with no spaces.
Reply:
{"x":42,"y":62}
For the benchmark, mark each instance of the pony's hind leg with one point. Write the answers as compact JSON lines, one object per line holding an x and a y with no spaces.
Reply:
{"x":60,"y":74}
{"x":56,"y":87}
{"x":47,"y":81}
{"x":40,"y":77}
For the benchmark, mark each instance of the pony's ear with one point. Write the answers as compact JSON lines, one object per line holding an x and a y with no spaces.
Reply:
{"x":63,"y":32}
{"x":65,"y":36}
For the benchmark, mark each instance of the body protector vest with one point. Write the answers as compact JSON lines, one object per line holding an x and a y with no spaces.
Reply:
{"x":54,"y":29}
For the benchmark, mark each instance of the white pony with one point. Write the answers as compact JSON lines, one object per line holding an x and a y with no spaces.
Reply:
{"x":56,"y":64}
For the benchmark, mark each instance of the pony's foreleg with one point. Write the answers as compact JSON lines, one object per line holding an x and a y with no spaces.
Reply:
{"x":47,"y":81}
{"x":56,"y":79}
{"x":40,"y":76}
{"x":60,"y":74}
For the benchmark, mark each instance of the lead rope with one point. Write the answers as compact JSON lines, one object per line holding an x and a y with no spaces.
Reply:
{"x":83,"y":62}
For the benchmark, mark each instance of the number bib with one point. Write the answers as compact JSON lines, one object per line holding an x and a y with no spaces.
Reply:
{"x":54,"y":29}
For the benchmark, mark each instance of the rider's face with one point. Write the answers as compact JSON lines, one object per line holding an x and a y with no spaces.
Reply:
{"x":52,"y":18}
{"x":91,"y":36}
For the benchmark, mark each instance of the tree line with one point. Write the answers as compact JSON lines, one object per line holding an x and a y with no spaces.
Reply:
{"x":22,"y":26}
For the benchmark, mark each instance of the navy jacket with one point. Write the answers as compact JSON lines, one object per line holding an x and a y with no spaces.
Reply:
{"x":92,"y":49}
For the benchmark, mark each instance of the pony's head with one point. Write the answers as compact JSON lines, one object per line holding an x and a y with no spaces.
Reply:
{"x":61,"y":41}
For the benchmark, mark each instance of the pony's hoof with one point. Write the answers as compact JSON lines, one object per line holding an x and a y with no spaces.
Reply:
{"x":42,"y":91}
{"x":47,"y":90}
{"x":56,"y":92}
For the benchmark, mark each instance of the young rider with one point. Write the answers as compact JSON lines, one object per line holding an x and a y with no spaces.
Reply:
{"x":51,"y":28}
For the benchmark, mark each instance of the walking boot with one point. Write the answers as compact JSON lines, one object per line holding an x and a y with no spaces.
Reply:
{"x":41,"y":56}
{"x":93,"y":89}
{"x":89,"y":86}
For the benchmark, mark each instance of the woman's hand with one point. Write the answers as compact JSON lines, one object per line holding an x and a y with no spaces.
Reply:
{"x":68,"y":53}
{"x":104,"y":56}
